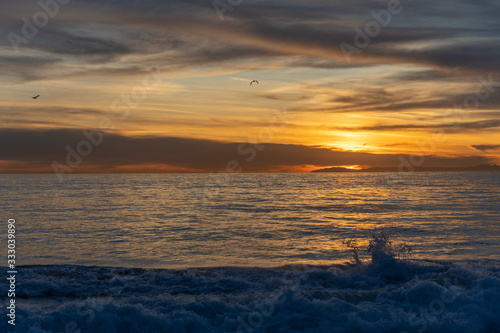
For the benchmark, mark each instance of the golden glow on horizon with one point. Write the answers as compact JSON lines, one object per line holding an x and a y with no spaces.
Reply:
{"x":343,"y":109}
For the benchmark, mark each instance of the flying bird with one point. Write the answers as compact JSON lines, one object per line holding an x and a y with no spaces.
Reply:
{"x":36,"y":97}
{"x":254,"y":81}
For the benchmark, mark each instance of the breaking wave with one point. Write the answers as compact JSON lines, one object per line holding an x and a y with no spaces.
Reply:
{"x":385,"y":294}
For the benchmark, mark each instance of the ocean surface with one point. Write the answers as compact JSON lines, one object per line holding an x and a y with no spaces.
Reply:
{"x":255,"y":252}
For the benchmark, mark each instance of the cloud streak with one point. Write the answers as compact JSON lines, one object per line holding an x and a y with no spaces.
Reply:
{"x":127,"y":28}
{"x":449,"y":127}
{"x":486,"y":148}
{"x":42,"y":147}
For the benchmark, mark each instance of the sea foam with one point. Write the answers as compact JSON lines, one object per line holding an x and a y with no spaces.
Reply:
{"x":385,"y":294}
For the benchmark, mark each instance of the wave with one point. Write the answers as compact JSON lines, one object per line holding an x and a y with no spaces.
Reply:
{"x":386,"y":294}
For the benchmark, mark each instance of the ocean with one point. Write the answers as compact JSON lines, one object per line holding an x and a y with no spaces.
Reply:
{"x":329,"y":252}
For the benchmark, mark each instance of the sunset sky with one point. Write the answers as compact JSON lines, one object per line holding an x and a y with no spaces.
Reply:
{"x":162,"y":86}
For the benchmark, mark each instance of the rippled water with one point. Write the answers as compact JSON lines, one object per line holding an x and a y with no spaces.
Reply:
{"x":194,"y":220}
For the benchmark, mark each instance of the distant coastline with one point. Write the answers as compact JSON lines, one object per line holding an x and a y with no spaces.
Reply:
{"x":493,"y":167}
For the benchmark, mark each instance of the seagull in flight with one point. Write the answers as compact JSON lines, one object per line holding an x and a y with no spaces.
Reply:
{"x":254,"y":81}
{"x":36,"y":97}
